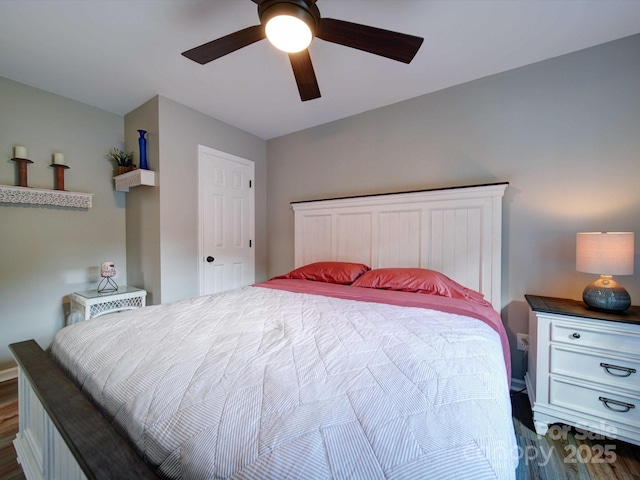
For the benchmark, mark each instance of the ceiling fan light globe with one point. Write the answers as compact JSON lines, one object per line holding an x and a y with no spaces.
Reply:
{"x":288,"y":33}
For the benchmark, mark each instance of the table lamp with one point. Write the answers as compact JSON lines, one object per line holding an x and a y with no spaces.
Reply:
{"x":607,"y":254}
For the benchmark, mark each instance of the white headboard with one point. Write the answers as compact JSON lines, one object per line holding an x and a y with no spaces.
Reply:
{"x":456,"y":231}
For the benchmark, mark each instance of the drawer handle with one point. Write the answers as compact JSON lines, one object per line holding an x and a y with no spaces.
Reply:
{"x":625,"y":406}
{"x":576,"y":335}
{"x":627,"y":371}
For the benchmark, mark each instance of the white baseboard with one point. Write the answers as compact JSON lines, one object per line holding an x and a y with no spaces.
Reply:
{"x":517,"y":384}
{"x":8,"y":374}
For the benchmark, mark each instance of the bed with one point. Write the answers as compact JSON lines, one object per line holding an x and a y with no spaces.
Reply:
{"x":343,"y":367}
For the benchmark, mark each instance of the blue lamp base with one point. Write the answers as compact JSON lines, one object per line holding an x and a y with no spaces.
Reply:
{"x":607,"y":295}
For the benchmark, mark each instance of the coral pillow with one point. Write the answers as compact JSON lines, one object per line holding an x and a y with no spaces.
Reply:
{"x":331,"y":272}
{"x":418,"y":280}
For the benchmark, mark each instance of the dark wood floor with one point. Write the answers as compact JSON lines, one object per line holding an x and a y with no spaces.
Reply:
{"x":9,"y":468}
{"x":569,"y":454}
{"x":556,"y":456}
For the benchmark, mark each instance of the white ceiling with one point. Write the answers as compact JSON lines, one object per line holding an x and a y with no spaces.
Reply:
{"x":117,"y":54}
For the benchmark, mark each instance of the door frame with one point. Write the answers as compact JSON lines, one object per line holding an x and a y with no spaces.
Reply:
{"x":203,"y":149}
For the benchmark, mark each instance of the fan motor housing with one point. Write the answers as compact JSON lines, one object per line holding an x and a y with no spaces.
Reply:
{"x":305,"y":10}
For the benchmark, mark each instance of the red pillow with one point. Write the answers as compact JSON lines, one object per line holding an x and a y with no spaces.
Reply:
{"x":331,"y":272}
{"x":417,"y":280}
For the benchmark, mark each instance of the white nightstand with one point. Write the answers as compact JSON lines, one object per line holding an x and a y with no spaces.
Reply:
{"x":584,"y":368}
{"x":91,"y":303}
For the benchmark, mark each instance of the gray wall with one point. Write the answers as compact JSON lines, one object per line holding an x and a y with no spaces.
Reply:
{"x":150,"y":232}
{"x":143,"y":206}
{"x":564,"y":132}
{"x":170,"y":229}
{"x":48,"y":252}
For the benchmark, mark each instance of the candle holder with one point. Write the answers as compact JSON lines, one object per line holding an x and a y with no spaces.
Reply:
{"x":22,"y":171}
{"x":107,"y":272}
{"x":106,"y":285}
{"x":59,"y":175}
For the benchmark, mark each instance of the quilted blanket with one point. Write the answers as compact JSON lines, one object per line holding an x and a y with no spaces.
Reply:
{"x":266,"y":383}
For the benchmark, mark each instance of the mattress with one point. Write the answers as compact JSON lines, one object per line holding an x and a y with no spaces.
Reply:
{"x":272,"y":383}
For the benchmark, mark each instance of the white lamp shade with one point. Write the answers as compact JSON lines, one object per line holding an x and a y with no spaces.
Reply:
{"x":609,"y":253}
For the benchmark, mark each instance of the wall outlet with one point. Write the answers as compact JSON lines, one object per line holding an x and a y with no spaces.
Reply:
{"x":523,"y":342}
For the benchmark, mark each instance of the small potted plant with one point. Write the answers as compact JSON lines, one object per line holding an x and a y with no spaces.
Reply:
{"x":123,"y":161}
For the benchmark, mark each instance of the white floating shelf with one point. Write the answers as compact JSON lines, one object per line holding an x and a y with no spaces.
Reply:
{"x":135,"y":178}
{"x":37,"y":196}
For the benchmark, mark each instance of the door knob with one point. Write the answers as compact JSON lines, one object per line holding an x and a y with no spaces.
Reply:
{"x":210,"y":259}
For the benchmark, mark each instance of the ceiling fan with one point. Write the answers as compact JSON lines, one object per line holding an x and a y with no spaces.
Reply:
{"x":303,"y":16}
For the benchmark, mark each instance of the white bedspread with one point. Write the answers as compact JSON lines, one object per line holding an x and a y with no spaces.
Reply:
{"x":269,"y":384}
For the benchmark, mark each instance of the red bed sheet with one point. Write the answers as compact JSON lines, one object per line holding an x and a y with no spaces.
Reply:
{"x":483,"y":313}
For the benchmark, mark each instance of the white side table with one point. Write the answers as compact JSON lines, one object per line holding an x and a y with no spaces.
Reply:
{"x":91,"y":303}
{"x":584,"y":367}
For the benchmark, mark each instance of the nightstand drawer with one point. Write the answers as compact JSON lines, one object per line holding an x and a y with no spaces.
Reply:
{"x":600,"y":403}
{"x":584,"y":335}
{"x":616,"y":371}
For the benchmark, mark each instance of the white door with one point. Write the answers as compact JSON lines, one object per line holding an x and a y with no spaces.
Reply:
{"x":226,"y":221}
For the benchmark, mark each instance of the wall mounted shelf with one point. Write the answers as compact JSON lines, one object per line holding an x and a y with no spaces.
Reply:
{"x":38,"y":196}
{"x":135,"y":178}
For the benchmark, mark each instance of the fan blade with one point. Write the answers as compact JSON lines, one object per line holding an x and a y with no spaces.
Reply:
{"x":225,"y":45}
{"x":393,"y":45}
{"x":305,"y":76}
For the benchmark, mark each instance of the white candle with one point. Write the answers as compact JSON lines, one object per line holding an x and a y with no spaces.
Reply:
{"x":58,"y":158}
{"x":19,"y":151}
{"x":107,"y":269}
